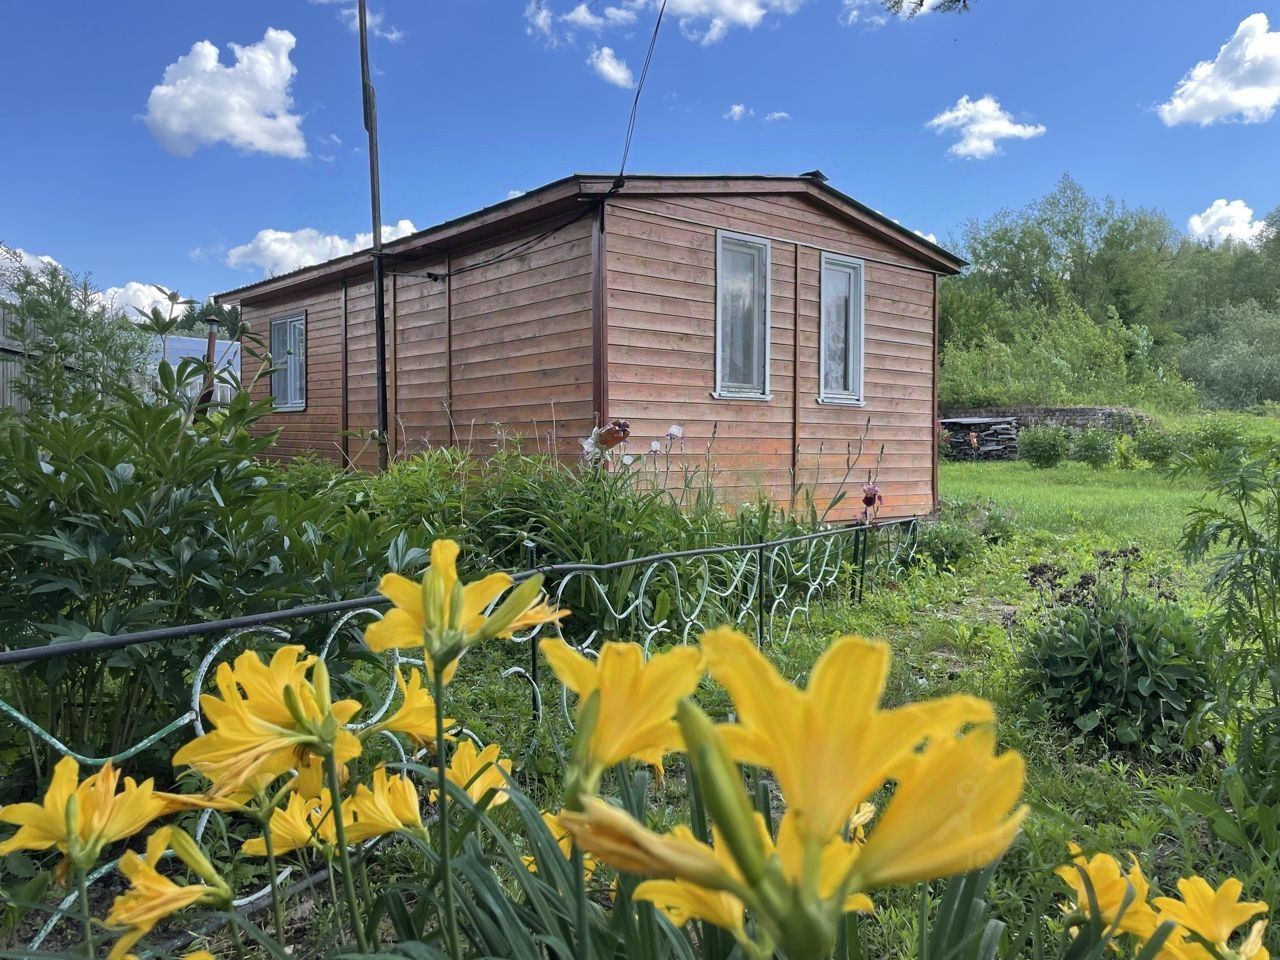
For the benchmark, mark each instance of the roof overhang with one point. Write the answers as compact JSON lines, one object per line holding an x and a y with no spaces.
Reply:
{"x":565,"y":197}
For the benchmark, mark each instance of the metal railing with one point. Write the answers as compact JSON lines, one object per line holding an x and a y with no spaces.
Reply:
{"x":763,"y":588}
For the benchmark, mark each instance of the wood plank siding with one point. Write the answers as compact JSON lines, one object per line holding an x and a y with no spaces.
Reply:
{"x":661,"y":308}
{"x":593,"y":297}
{"x":494,"y":350}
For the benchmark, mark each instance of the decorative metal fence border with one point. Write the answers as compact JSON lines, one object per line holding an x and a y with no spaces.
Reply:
{"x":760,"y":587}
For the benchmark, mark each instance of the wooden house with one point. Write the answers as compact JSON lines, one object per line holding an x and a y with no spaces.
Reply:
{"x":775,"y":313}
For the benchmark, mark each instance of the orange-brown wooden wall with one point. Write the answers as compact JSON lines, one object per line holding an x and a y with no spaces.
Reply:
{"x":499,"y":348}
{"x":661,"y":254}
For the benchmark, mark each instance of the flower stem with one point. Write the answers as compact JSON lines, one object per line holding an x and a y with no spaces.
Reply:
{"x":344,"y":855}
{"x":446,"y":872}
{"x":86,"y":917}
{"x":580,"y":880}
{"x":277,"y":914}
{"x":237,"y":941}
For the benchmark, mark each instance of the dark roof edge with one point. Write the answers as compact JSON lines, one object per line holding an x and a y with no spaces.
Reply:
{"x":529,"y":202}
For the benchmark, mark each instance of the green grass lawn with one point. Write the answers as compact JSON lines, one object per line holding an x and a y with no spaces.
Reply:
{"x":1073,"y":500}
{"x":959,"y":629}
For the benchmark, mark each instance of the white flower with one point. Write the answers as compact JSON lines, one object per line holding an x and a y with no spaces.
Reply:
{"x":675,"y":432}
{"x":628,"y":460}
{"x":655,"y":447}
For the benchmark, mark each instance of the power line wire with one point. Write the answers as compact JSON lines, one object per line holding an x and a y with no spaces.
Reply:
{"x":635,"y":103}
{"x":590,"y":210}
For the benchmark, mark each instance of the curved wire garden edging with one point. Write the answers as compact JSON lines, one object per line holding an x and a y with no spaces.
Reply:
{"x":761,"y":588}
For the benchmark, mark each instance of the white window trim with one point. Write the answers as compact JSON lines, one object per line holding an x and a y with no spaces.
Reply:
{"x":720,"y":392}
{"x":302,"y":405}
{"x":857,"y":397}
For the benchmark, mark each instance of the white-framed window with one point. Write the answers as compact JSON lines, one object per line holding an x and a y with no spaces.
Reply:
{"x":843,"y":336}
{"x":289,"y":362}
{"x":742,"y":316}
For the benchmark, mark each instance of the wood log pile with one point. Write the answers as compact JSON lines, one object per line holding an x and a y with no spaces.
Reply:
{"x":980,"y":438}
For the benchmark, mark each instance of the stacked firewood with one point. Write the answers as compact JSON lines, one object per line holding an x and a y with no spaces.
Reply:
{"x":981,"y":438}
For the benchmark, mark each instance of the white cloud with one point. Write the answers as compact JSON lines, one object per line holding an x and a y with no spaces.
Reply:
{"x":247,"y":105}
{"x":776,"y":115}
{"x":739,"y":111}
{"x":931,"y":237}
{"x":1241,"y":83}
{"x":583,"y":17}
{"x":610,"y":68}
{"x":872,"y":13}
{"x":512,"y":194}
{"x":982,"y":123}
{"x":142,"y":296}
{"x":1227,"y":220}
{"x":279,"y":251}
{"x":539,"y":22}
{"x":375,"y":23}
{"x":709,"y":21}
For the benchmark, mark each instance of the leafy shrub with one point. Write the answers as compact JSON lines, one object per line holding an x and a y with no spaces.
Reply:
{"x":1213,"y":435}
{"x":1128,"y":669}
{"x":312,"y":476}
{"x":1155,"y":445}
{"x":1126,"y":457}
{"x":1043,"y":446}
{"x":962,"y":530}
{"x":1095,"y":446}
{"x":123,"y":511}
{"x":1237,"y":530}
{"x":1236,"y":362}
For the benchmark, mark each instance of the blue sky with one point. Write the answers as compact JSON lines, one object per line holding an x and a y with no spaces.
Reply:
{"x":122,"y":160}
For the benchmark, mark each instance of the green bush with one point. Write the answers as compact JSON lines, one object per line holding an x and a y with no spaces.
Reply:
{"x":1095,"y":446}
{"x":1043,"y":446}
{"x":1121,"y":667}
{"x":1214,"y":435}
{"x":1155,"y":445}
{"x":961,"y":530}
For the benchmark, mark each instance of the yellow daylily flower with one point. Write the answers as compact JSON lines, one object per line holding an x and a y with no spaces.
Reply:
{"x":1212,"y":914}
{"x":104,"y":813}
{"x":416,"y":717}
{"x":835,"y":865}
{"x":443,"y":617}
{"x":564,"y":840}
{"x":830,"y":746}
{"x":478,"y":772}
{"x":682,"y":900}
{"x":256,"y":733}
{"x":151,"y":896}
{"x":1111,"y":887}
{"x":388,"y":805}
{"x":302,"y":822}
{"x":955,"y":809}
{"x":637,"y":701}
{"x":616,"y":838}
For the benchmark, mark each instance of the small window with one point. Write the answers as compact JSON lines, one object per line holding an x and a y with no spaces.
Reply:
{"x":289,"y":363}
{"x":742,"y":316}
{"x":842,"y":333}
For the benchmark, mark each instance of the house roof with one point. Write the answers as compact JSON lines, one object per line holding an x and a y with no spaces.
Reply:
{"x":567,"y":195}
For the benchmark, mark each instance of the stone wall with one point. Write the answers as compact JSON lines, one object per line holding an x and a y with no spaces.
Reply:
{"x":1118,"y":419}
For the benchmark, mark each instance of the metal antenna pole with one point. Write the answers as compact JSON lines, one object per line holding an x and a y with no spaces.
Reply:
{"x":370,"y":100}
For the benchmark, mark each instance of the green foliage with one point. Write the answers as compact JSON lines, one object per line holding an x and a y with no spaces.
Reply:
{"x":1214,"y":435}
{"x":1095,"y":446}
{"x":961,"y":531}
{"x":1056,"y":354}
{"x":76,"y":348}
{"x":1211,"y":312}
{"x":1237,"y":530}
{"x":1043,"y":446}
{"x":1236,"y":360}
{"x":1121,"y":667}
{"x":123,"y":510}
{"x":1155,"y":445}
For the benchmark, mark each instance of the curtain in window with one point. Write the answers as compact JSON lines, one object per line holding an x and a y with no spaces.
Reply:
{"x":742,"y":316}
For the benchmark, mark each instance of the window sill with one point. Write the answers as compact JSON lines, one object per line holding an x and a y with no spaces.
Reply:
{"x":842,"y":402}
{"x":289,"y":408}
{"x":723,"y":395}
